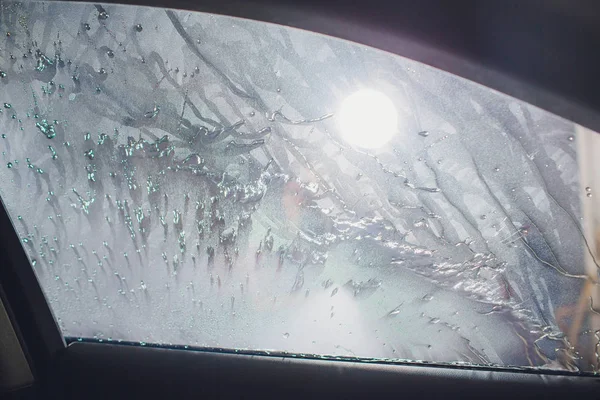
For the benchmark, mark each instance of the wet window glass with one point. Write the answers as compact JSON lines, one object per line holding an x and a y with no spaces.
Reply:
{"x":191,"y":179}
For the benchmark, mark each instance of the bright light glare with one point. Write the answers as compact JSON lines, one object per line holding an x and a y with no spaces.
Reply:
{"x":368,"y":119}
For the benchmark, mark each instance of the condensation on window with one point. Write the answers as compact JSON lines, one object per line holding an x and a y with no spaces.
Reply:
{"x":191,"y":179}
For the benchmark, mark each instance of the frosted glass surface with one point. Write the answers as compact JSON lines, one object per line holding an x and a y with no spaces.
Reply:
{"x":186,"y":178}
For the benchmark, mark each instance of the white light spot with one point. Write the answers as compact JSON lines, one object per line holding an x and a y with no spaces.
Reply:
{"x":368,"y":119}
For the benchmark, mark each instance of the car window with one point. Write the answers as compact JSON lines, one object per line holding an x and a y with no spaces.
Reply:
{"x":184,"y":178}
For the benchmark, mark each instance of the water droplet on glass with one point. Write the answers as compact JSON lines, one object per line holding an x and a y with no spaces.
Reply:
{"x":9,"y":165}
{"x":110,"y":53}
{"x":571,"y":138}
{"x":7,"y":105}
{"x":589,"y":195}
{"x":103,"y":16}
{"x":286,"y":335}
{"x":54,"y":155}
{"x":327,"y":283}
{"x":86,"y":26}
{"x":139,"y":28}
{"x":153,"y":113}
{"x":588,"y":189}
{"x":395,"y":311}
{"x":46,"y":128}
{"x":424,"y":133}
